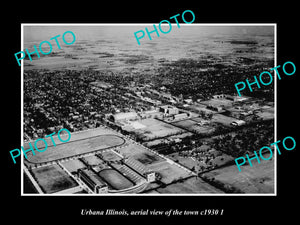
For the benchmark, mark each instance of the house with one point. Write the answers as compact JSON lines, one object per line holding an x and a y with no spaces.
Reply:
{"x":238,"y":123}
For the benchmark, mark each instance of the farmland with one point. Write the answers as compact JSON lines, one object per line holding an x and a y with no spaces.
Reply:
{"x":193,"y":185}
{"x":256,"y":179}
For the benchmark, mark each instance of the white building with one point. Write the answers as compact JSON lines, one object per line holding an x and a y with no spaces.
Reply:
{"x":124,"y":116}
{"x":238,"y":122}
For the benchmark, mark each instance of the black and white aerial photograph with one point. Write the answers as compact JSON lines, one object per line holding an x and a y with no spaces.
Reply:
{"x":162,"y":117}
{"x":150,"y":113}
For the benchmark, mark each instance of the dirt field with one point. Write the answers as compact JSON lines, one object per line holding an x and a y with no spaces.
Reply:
{"x":187,"y":162}
{"x":256,"y":179}
{"x":110,"y":156}
{"x":53,"y":179}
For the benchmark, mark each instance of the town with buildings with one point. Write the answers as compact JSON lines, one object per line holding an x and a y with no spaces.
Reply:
{"x":198,"y":135}
{"x":175,"y":128}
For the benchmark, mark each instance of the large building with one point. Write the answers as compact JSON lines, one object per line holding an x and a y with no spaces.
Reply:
{"x":140,"y":169}
{"x":234,"y":98}
{"x":169,"y":110}
{"x":119,"y":117}
{"x":238,"y":123}
{"x":93,"y":181}
{"x":180,"y":116}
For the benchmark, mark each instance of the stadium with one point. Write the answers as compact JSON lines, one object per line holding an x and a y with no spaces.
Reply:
{"x":90,"y":160}
{"x":82,"y":143}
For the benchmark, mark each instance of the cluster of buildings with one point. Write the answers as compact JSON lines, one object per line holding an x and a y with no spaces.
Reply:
{"x":73,"y":100}
{"x":101,"y":181}
{"x":77,"y":101}
{"x":234,"y":98}
{"x":164,"y":112}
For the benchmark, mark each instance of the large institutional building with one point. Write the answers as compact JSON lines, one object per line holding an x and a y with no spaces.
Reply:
{"x":93,"y":181}
{"x":127,"y":169}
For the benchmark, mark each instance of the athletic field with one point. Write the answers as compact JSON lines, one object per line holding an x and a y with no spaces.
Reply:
{"x":80,"y":143}
{"x":53,"y":179}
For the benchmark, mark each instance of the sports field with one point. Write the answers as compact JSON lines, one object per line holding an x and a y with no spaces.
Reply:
{"x":116,"y":180}
{"x":153,"y":162}
{"x":80,"y":144}
{"x":152,"y":128}
{"x":140,"y":154}
{"x":53,"y":179}
{"x":73,"y":165}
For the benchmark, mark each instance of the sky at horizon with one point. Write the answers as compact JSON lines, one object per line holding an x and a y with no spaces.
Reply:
{"x":125,"y":33}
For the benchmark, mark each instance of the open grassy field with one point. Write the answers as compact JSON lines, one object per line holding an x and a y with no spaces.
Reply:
{"x":193,"y":126}
{"x":225,"y":120}
{"x":73,"y":165}
{"x":256,"y":179}
{"x":115,"y":179}
{"x":140,"y":154}
{"x":153,"y":162}
{"x":92,"y":160}
{"x":193,"y":185}
{"x":170,"y":172}
{"x":187,"y":162}
{"x":218,"y":102}
{"x":53,"y":179}
{"x":110,"y":156}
